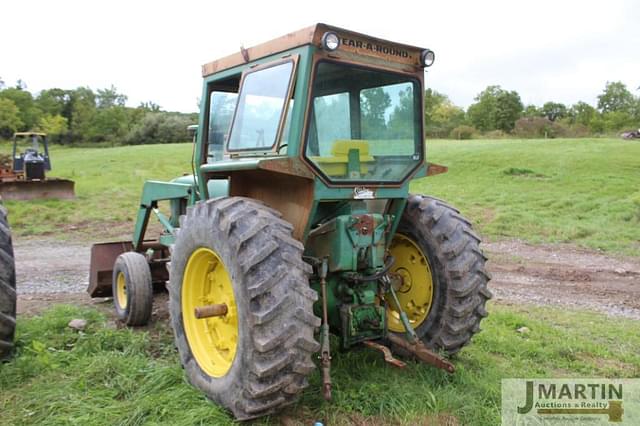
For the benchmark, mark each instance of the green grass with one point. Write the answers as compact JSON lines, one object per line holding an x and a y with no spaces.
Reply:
{"x":115,"y":376}
{"x":108,"y":187}
{"x":583,"y":191}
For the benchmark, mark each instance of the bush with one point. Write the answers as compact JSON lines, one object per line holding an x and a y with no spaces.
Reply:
{"x":463,"y":132}
{"x":496,"y":134}
{"x":578,"y":131}
{"x":540,"y":127}
{"x":159,"y":127}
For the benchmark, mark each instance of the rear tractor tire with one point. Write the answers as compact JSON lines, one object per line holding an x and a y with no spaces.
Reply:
{"x":444,"y":280}
{"x":236,"y":257}
{"x":7,"y":288}
{"x":132,"y":289}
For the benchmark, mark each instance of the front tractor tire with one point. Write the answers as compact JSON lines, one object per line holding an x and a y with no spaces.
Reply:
{"x":132,"y":289}
{"x":254,"y":355}
{"x":442,"y":270}
{"x":7,"y":288}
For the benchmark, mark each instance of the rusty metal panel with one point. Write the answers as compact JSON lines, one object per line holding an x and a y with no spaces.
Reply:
{"x":436,"y":169}
{"x":359,"y":45}
{"x":19,"y":189}
{"x":288,"y":165}
{"x":280,"y":44}
{"x":362,"y":45}
{"x":103,"y":256}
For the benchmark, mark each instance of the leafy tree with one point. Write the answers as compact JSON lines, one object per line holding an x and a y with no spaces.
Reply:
{"x":509,"y":109}
{"x":554,"y":111}
{"x":615,"y":98}
{"x":531,"y":111}
{"x":80,"y":113}
{"x":446,"y":117}
{"x":150,"y":106}
{"x":401,"y":120}
{"x":10,"y":120}
{"x":54,"y":125}
{"x":373,"y":104}
{"x":52,"y":101}
{"x":616,"y":121}
{"x":108,"y":98}
{"x":109,"y":124}
{"x":582,"y":113}
{"x":432,"y":99}
{"x":495,"y":108}
{"x":441,"y":115}
{"x":29,"y":113}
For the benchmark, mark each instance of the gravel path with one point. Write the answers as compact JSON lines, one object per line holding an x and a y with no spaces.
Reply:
{"x":49,"y":266}
{"x":562,"y":275}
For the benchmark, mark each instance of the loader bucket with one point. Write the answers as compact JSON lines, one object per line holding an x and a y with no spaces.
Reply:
{"x":37,"y":189}
{"x":104,"y":255}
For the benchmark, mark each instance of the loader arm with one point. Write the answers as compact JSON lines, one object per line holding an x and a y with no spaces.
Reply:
{"x":152,"y":192}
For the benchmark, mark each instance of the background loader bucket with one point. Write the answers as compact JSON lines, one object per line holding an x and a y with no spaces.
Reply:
{"x":104,"y":255}
{"x":37,"y":189}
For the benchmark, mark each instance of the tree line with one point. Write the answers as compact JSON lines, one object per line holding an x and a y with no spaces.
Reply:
{"x":85,"y":116}
{"x":498,"y":112}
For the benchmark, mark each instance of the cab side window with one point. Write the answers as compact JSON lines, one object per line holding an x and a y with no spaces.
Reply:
{"x":221,"y":107}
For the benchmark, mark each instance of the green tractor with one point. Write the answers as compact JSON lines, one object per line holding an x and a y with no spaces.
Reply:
{"x":297,"y":222}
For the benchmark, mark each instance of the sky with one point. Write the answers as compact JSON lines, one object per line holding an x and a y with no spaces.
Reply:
{"x":562,"y":51}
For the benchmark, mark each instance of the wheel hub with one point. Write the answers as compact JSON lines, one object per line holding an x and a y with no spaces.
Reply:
{"x":121,"y":290}
{"x":213,"y":340}
{"x":415,"y":289}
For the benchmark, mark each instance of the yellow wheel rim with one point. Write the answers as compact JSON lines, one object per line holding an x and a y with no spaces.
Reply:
{"x":213,"y":341}
{"x":121,"y":290}
{"x":416,"y":291}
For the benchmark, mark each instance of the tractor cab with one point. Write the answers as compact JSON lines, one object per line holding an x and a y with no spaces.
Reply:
{"x":28,"y":159}
{"x":329,"y":114}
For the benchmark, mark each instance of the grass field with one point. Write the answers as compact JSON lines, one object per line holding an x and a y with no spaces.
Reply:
{"x":585,"y":191}
{"x":123,"y":377}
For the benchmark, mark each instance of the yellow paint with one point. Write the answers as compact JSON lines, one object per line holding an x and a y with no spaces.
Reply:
{"x":213,"y":341}
{"x":121,"y":290}
{"x":416,"y":292}
{"x":336,"y":163}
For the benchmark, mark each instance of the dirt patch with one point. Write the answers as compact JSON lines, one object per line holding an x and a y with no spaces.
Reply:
{"x":563,"y":275}
{"x":50,"y":271}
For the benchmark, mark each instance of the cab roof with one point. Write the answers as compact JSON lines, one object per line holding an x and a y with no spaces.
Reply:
{"x":357,"y":46}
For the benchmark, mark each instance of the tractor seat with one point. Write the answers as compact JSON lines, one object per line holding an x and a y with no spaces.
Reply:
{"x":349,"y":157}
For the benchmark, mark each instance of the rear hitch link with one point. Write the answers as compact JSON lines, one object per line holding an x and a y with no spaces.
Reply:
{"x":412,"y":343}
{"x":325,"y":349}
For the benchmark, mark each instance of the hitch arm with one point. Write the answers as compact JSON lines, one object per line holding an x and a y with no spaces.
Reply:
{"x":413,"y":343}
